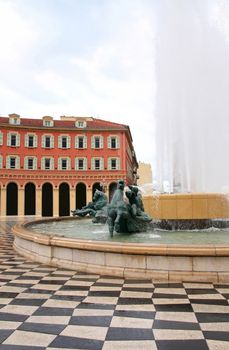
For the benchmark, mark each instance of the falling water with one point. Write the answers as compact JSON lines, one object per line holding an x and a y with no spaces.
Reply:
{"x":192,"y":102}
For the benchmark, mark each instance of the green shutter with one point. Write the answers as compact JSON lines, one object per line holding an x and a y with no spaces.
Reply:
{"x":52,"y":142}
{"x":59,"y":163}
{"x":118,"y":164}
{"x":109,"y":142}
{"x":101,"y":141}
{"x":26,"y":163}
{"x":17,"y":140}
{"x":68,"y":142}
{"x":8,"y":162}
{"x":92,"y":163}
{"x":26,"y":140}
{"x":43,"y":163}
{"x":17,"y":162}
{"x":8,"y":139}
{"x":109,"y":163}
{"x":85,"y":142}
{"x":43,"y":141}
{"x":59,"y":141}
{"x":76,"y":142}
{"x":1,"y":138}
{"x":117,"y":142}
{"x":101,"y":163}
{"x":85,"y":164}
{"x":35,"y":163}
{"x":0,"y":162}
{"x":93,"y":142}
{"x":35,"y":141}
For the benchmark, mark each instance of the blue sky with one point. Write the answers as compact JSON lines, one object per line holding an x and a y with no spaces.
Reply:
{"x":80,"y":57}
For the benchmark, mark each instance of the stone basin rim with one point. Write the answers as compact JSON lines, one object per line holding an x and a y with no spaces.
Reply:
{"x":22,"y":230}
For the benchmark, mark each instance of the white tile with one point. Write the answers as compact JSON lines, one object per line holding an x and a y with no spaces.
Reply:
{"x":131,"y":322}
{"x":174,"y":334}
{"x":88,"y":332}
{"x":29,"y":339}
{"x":216,"y":345}
{"x":61,"y":303}
{"x":19,"y":309}
{"x":130,"y":345}
{"x":176,"y":316}
{"x":49,"y":319}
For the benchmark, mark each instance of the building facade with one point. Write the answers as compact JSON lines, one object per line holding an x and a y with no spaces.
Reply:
{"x":48,"y":167}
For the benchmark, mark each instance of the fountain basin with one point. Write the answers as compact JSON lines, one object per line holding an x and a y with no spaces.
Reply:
{"x":163,"y":262}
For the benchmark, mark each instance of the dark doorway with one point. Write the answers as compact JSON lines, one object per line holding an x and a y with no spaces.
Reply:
{"x":64,"y":200}
{"x":96,"y":186}
{"x":47,"y":200}
{"x":12,"y":199}
{"x":30,"y":199}
{"x":112,"y":188}
{"x":81,"y":196}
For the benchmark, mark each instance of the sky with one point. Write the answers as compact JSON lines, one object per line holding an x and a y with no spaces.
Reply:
{"x":82,"y":58}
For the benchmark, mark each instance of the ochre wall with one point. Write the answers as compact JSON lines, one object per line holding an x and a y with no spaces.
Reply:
{"x":187,"y":206}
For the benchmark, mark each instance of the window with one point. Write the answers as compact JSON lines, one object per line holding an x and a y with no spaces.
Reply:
{"x":48,"y":141}
{"x":30,"y":163}
{"x":81,"y":124}
{"x":14,"y":119}
{"x":12,"y":162}
{"x":113,"y":164}
{"x":97,"y":141}
{"x":47,"y":163}
{"x":13,"y":140}
{"x":64,"y":164}
{"x":64,"y":141}
{"x":97,"y":163}
{"x":113,"y":142}
{"x":30,"y":140}
{"x":48,"y":121}
{"x":81,"y":163}
{"x":81,"y":141}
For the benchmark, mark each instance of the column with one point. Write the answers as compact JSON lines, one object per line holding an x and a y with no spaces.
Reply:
{"x":21,"y":202}
{"x":72,"y":195}
{"x":89,"y":194}
{"x":55,"y":201}
{"x":38,"y":201}
{"x":3,"y":201}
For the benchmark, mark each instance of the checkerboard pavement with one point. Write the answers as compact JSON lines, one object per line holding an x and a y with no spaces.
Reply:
{"x":43,"y":307}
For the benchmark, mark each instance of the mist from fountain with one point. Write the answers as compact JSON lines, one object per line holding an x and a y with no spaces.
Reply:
{"x":192,"y":103}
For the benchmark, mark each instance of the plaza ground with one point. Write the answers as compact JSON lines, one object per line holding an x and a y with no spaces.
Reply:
{"x":43,"y":307}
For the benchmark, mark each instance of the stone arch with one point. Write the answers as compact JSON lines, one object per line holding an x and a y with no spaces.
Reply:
{"x":64,"y":199}
{"x":81,"y":195}
{"x":30,"y":199}
{"x":12,"y":199}
{"x":47,"y":199}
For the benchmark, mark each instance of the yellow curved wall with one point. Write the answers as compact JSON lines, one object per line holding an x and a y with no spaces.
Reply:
{"x":187,"y":206}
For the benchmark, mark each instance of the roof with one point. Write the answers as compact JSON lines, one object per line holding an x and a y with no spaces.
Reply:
{"x":92,"y":123}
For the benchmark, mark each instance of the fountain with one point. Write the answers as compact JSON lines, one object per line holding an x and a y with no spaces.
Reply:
{"x":191,"y":170}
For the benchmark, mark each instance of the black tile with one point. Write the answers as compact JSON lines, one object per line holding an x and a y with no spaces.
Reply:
{"x":79,"y":343}
{"x":74,"y":288}
{"x":138,"y":289}
{"x":32,"y":302}
{"x":99,"y":321}
{"x":104,"y":293}
{"x":174,"y":307}
{"x":42,"y":328}
{"x":132,"y":301}
{"x":168,"y":285}
{"x":5,"y":333}
{"x":211,"y":317}
{"x":201,"y":291}
{"x":169,"y":296}
{"x":216,"y":335}
{"x":162,"y":324}
{"x":8,"y":295}
{"x":137,"y":281}
{"x":149,"y":315}
{"x":129,"y":334}
{"x":58,"y":282}
{"x":96,"y":306}
{"x":20,"y":347}
{"x":67,"y":297}
{"x":209,"y":301}
{"x":181,"y":345}
{"x":4,"y":316}
{"x":53,"y":311}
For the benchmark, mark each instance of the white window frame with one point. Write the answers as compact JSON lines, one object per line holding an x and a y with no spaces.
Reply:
{"x":109,"y":142}
{"x":43,"y":163}
{"x":93,"y":139}
{"x":43,"y":143}
{"x":26,"y":163}
{"x":9,"y":135}
{"x":117,"y":159}
{"x":27,"y":136}
{"x":68,"y":163}
{"x":68,"y":141}
{"x":77,"y":163}
{"x":77,"y":137}
{"x":17,"y":162}
{"x":93,"y":161}
{"x":14,"y":120}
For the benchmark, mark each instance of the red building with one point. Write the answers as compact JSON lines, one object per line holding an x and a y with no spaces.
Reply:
{"x":48,"y":167}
